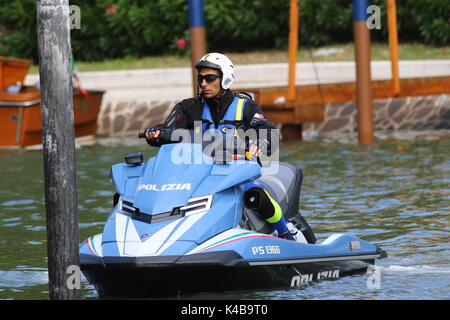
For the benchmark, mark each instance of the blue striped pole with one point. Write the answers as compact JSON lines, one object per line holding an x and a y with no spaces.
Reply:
{"x":197,"y":34}
{"x":360,"y":10}
{"x":195,"y":13}
{"x":363,"y":73}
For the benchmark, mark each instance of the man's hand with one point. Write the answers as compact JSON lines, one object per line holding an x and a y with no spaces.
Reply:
{"x":152,"y":135}
{"x":254,"y":150}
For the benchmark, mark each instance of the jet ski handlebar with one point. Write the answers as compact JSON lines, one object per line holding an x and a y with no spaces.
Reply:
{"x":239,"y":144}
{"x":163,"y":134}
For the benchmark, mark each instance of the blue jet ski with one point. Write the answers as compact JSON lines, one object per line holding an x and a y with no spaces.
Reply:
{"x":181,"y":226}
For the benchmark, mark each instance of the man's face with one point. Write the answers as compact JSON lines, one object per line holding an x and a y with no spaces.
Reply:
{"x":212,"y":89}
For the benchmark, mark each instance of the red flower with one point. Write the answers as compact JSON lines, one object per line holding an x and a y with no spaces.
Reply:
{"x":181,"y":43}
{"x":110,"y":9}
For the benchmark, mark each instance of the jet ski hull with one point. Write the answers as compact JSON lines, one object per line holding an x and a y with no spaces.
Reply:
{"x":160,"y":276}
{"x":177,"y":228}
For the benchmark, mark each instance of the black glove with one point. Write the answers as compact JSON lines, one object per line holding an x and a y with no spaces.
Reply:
{"x":160,"y":140}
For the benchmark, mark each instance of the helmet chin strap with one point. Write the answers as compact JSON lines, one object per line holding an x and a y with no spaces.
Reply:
{"x":220,"y":94}
{"x":222,"y":90}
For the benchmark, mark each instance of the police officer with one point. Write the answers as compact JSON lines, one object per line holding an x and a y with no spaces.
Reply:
{"x":217,"y":107}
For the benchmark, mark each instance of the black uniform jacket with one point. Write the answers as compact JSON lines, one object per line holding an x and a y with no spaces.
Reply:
{"x":186,"y":112}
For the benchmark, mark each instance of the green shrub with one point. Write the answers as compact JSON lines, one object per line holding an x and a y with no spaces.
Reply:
{"x":18,"y":29}
{"x":121,"y":28}
{"x":428,"y":18}
{"x":325,"y":22}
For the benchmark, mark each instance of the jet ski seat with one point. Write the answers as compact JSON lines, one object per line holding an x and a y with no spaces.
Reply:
{"x":283,"y":182}
{"x":284,"y":185}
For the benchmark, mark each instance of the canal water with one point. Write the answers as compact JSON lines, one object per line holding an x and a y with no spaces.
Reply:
{"x":394,"y":194}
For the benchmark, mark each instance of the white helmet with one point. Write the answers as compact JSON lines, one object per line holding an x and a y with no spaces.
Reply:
{"x":221,"y":63}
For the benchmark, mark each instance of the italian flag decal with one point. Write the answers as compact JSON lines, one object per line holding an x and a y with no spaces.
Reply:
{"x":236,"y":237}
{"x":90,"y":245}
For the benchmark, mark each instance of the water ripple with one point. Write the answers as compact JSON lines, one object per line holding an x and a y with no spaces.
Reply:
{"x":23,"y":278}
{"x":394,"y":194}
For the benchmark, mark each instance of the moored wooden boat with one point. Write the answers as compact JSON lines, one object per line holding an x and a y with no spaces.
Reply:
{"x":20,"y":112}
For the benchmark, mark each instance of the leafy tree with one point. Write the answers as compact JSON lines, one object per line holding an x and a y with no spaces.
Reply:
{"x":134,"y":28}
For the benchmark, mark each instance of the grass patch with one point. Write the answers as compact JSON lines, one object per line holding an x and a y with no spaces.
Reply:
{"x":332,"y":53}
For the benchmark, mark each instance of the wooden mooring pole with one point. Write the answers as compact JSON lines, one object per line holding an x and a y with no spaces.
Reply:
{"x":293,"y":48}
{"x":292,"y":131}
{"x":393,"y":45}
{"x":198,"y":35}
{"x":55,"y":56}
{"x":363,"y":72}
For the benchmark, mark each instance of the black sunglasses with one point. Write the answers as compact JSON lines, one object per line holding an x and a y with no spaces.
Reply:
{"x":208,"y":78}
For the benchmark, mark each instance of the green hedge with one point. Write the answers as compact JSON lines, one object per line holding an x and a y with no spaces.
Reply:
{"x":150,"y":27}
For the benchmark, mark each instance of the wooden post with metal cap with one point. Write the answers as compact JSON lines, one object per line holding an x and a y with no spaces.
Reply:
{"x":197,"y":35}
{"x":55,"y":56}
{"x":393,"y":45}
{"x":363,"y":73}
